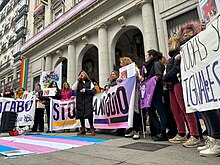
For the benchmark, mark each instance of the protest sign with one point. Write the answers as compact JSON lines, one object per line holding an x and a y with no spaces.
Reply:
{"x":63,"y":114}
{"x":146,"y":92}
{"x":112,"y":109}
{"x":200,"y":70}
{"x":48,"y":76}
{"x":115,"y":108}
{"x":25,"y":109}
{"x":127,"y":71}
{"x":49,"y":91}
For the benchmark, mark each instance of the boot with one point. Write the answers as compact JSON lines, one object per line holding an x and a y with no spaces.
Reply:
{"x":92,"y":131}
{"x":82,"y":131}
{"x":213,"y":150}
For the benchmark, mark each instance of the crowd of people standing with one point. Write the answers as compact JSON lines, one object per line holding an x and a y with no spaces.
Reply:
{"x":167,"y":113}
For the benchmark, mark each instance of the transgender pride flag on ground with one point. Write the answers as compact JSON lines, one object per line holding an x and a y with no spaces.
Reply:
{"x":37,"y":144}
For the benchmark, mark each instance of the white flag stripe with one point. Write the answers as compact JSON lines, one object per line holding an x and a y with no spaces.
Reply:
{"x":40,"y":143}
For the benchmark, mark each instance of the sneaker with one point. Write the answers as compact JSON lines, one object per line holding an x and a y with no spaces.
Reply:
{"x":192,"y":142}
{"x":207,"y":144}
{"x":130,"y":134}
{"x":178,"y":139}
{"x":161,"y":137}
{"x":213,"y":150}
{"x":136,"y":135}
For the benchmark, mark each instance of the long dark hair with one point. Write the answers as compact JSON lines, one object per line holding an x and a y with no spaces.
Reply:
{"x":86,"y":75}
{"x":51,"y":84}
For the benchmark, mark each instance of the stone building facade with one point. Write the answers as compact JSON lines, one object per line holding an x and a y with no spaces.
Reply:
{"x":13,"y":14}
{"x":93,"y":34}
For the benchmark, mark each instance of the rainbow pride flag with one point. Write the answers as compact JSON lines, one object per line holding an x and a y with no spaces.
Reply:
{"x":24,"y":73}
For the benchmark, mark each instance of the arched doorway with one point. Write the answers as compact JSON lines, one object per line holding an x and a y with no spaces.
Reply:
{"x":63,"y":60}
{"x":130,"y":43}
{"x":90,"y":63}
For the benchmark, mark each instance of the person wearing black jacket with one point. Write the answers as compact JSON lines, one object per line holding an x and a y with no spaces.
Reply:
{"x":172,"y":76}
{"x":57,"y":96}
{"x":39,"y":111}
{"x":153,"y":67}
{"x":84,"y":95}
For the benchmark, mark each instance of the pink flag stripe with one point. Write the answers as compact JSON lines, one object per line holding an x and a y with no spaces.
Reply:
{"x":29,"y":147}
{"x":80,"y":143}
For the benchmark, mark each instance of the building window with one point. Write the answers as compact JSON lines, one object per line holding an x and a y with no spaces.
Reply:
{"x":1,"y":34}
{"x":2,"y":82}
{"x":7,"y":28}
{"x":10,"y":78}
{"x":58,"y":14}
{"x":20,"y":24}
{"x":57,"y":8}
{"x":174,"y":24}
{"x":39,"y":23}
{"x":78,"y":1}
{"x":4,"y":47}
{"x":18,"y":74}
{"x":10,"y":42}
{"x":17,"y":45}
{"x":36,"y":80}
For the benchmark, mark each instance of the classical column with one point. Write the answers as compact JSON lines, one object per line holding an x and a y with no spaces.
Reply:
{"x":71,"y":63}
{"x":149,"y":25}
{"x":48,"y":62}
{"x":104,"y":69}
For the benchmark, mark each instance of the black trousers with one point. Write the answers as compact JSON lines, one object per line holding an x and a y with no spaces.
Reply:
{"x":48,"y":116}
{"x":82,"y":121}
{"x":39,"y":119}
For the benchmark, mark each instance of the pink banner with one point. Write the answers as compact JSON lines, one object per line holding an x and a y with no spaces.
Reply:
{"x":114,"y":108}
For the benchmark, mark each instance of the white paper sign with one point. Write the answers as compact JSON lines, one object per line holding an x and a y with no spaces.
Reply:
{"x":49,"y":91}
{"x":127,"y":71}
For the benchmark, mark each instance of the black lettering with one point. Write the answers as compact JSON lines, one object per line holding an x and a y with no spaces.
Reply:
{"x":187,"y":94}
{"x":63,"y":111}
{"x":213,"y":70}
{"x":205,"y":53}
{"x":124,"y":109}
{"x":55,"y":110}
{"x":193,"y":90}
{"x":211,"y":84}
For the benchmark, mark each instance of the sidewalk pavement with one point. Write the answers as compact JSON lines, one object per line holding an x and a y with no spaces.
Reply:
{"x":118,"y":150}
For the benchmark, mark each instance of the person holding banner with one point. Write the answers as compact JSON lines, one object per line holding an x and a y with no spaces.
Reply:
{"x":57,"y":96}
{"x":212,"y":118}
{"x":66,"y":91}
{"x":135,"y":131}
{"x":9,"y":93}
{"x":84,"y":96}
{"x":39,"y":111}
{"x":153,"y":67}
{"x":19,"y":93}
{"x":172,"y":76}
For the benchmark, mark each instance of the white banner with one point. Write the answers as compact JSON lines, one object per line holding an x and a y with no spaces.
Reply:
{"x":25,"y":109}
{"x":63,"y":114}
{"x":200,"y":70}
